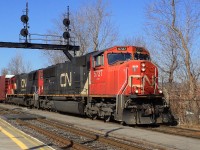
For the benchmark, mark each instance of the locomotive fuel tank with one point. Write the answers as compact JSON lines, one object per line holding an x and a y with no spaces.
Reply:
{"x":72,"y":107}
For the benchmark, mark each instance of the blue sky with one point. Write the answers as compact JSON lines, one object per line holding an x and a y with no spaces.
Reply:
{"x":129,"y":16}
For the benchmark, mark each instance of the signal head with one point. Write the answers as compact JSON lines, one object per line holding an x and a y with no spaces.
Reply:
{"x":24,"y":32}
{"x":66,"y":22}
{"x":24,"y":18}
{"x":66,"y":35}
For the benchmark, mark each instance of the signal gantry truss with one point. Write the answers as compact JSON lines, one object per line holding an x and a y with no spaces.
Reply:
{"x":64,"y":48}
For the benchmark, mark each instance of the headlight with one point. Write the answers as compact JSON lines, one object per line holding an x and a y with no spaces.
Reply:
{"x":160,"y":91}
{"x":143,"y":69}
{"x":136,"y":91}
{"x":143,"y":65}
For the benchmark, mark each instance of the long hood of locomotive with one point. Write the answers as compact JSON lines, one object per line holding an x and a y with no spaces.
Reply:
{"x":131,"y":77}
{"x":65,"y":78}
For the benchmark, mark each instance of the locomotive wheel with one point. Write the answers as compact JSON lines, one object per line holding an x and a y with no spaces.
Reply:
{"x":122,"y":123}
{"x":37,"y":105}
{"x":94,"y":117}
{"x":106,"y":118}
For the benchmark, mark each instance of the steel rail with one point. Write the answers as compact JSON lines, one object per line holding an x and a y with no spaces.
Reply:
{"x":90,"y":135}
{"x":191,"y":133}
{"x":61,"y":141}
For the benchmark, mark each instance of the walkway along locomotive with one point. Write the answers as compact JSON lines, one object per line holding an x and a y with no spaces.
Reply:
{"x":119,"y":83}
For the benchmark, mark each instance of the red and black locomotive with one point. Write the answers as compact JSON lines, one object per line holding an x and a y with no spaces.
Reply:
{"x":119,"y":83}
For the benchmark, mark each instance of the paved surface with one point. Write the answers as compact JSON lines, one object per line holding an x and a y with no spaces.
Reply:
{"x":13,"y":139}
{"x":164,"y":140}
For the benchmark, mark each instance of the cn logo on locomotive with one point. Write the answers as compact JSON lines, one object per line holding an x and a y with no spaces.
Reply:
{"x":23,"y":83}
{"x":65,"y":78}
{"x":145,"y":79}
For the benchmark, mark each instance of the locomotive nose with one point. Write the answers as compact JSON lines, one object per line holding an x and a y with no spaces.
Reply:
{"x":143,"y":79}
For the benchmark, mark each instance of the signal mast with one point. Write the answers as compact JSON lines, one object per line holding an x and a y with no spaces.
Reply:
{"x":24,"y":18}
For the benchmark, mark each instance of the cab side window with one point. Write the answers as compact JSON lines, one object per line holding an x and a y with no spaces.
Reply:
{"x":99,"y":60}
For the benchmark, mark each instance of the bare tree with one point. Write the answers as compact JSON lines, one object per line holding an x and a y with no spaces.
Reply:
{"x":17,"y":65}
{"x":174,"y":25}
{"x":92,"y":28}
{"x":186,"y":36}
{"x":4,"y":71}
{"x":175,"y":35}
{"x":136,"y":41}
{"x":159,"y":21}
{"x":55,"y":57}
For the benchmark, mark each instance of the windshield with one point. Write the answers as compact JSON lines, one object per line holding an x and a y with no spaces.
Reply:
{"x":138,"y":56}
{"x":115,"y":57}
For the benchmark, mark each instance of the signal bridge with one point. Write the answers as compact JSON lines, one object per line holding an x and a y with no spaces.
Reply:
{"x":64,"y":43}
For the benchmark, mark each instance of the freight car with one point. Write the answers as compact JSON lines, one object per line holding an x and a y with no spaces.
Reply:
{"x":119,"y":83}
{"x":4,"y":86}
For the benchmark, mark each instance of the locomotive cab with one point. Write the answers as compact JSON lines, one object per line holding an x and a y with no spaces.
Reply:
{"x":123,"y":70}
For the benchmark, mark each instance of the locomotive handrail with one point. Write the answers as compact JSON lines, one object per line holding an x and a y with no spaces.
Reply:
{"x":122,"y":89}
{"x":124,"y":85}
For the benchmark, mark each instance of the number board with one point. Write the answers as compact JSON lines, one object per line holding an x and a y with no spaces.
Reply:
{"x":139,"y":50}
{"x":121,"y":48}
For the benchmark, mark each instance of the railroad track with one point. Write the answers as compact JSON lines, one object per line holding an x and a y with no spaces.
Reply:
{"x":94,"y":136}
{"x":62,"y":142}
{"x":177,"y":131}
{"x":90,"y":135}
{"x":48,"y":131}
{"x":4,"y":111}
{"x":42,"y":126}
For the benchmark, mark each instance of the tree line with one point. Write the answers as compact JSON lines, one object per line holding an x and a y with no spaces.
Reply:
{"x":16,"y":65}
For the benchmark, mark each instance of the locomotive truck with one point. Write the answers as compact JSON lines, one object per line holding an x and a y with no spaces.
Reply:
{"x":119,"y":83}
